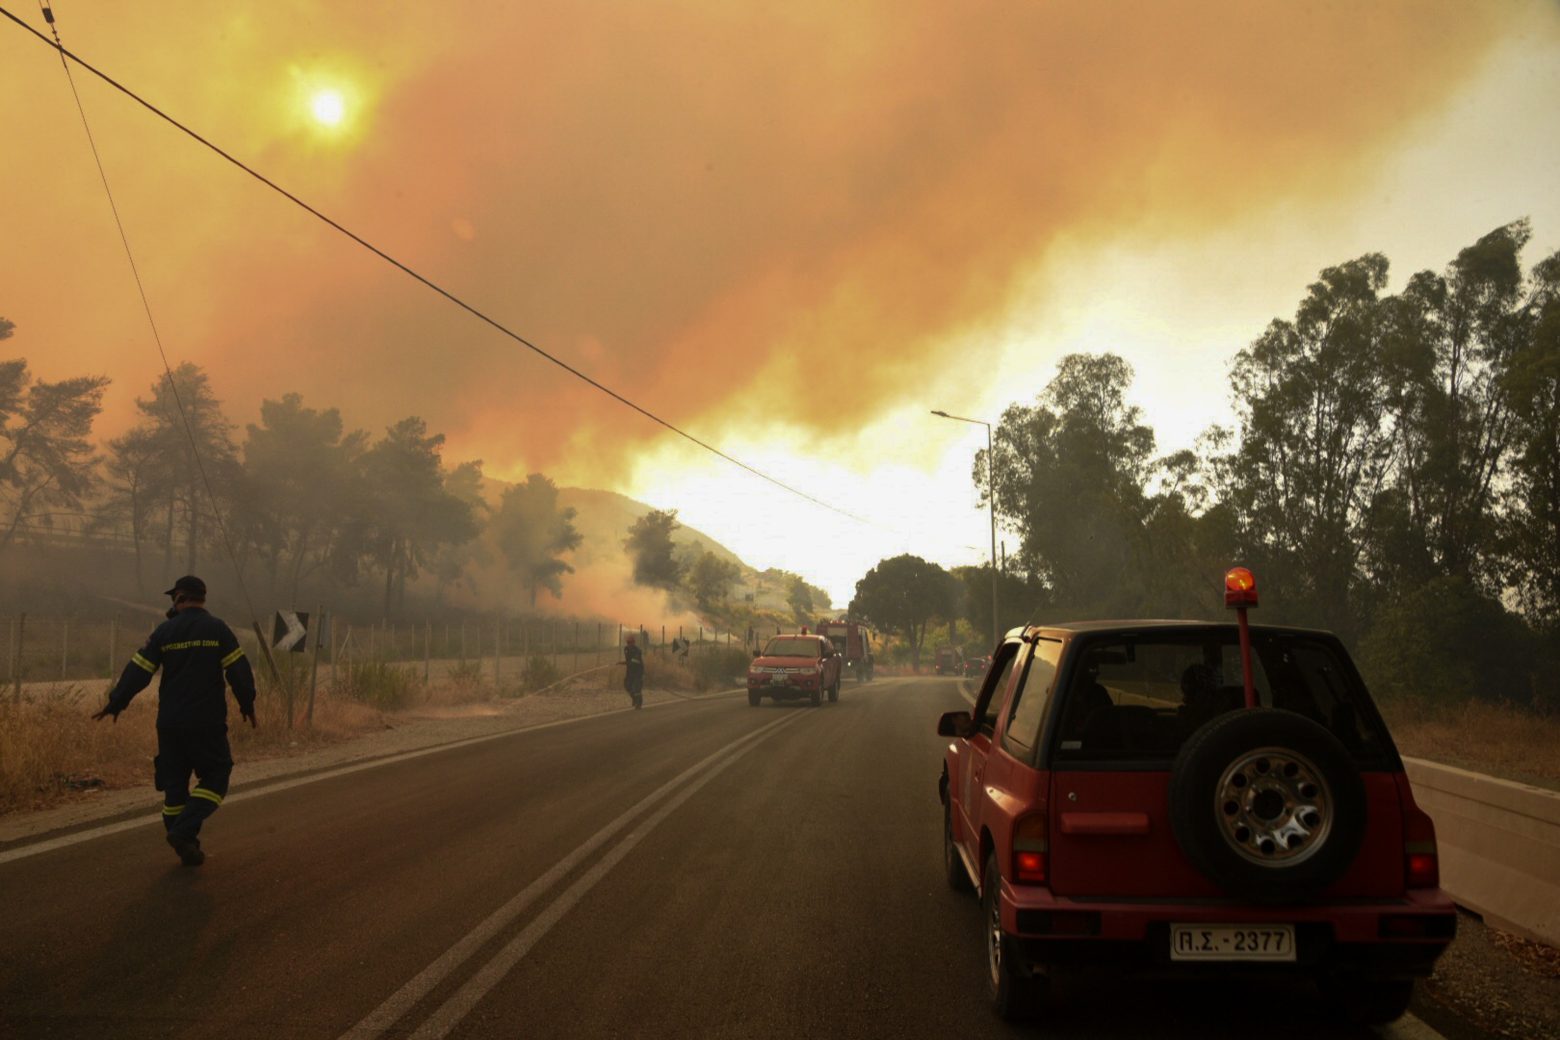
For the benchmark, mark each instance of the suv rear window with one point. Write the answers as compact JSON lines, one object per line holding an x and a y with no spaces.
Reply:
{"x":1136,"y":697}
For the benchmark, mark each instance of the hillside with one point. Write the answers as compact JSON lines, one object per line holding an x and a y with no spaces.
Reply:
{"x":604,"y":517}
{"x":602,"y":583}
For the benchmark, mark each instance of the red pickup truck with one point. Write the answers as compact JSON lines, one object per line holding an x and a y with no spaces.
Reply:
{"x":792,"y":667}
{"x":1122,"y":797}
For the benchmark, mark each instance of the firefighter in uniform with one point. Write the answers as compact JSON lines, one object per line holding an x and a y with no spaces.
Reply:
{"x":195,"y":651}
{"x":634,"y":674}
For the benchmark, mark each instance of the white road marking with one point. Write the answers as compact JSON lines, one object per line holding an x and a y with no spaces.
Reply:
{"x":38,"y":848}
{"x":91,"y":834}
{"x":1410,"y":1028}
{"x":379,"y":1020}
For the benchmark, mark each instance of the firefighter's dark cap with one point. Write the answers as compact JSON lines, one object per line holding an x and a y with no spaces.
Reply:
{"x":188,"y":584}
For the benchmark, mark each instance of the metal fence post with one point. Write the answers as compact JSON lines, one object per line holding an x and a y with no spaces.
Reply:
{"x":18,"y":634}
{"x":314,"y":663}
{"x":113,"y":645}
{"x":427,"y":651}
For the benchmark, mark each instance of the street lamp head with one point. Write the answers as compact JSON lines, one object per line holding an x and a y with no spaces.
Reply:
{"x":945,"y":415}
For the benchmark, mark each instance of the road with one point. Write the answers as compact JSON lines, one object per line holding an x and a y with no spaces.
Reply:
{"x":698,"y":869}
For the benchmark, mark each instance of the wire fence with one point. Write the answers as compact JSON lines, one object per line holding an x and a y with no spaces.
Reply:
{"x":83,"y":649}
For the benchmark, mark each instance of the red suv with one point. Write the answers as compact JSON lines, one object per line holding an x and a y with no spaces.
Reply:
{"x":790,"y":667}
{"x":1118,"y":799}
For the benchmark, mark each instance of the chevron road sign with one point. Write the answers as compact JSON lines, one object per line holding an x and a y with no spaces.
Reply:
{"x":290,"y":631}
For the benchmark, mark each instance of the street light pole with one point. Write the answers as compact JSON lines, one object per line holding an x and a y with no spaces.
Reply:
{"x":991,"y":502}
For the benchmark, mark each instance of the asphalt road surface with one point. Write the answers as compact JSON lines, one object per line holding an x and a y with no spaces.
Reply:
{"x":700,"y":869}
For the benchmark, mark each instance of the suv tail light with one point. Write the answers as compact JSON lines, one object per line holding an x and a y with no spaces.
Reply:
{"x":1030,"y":850}
{"x":1421,"y":864}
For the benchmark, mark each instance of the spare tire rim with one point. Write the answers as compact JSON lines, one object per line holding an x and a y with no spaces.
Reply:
{"x":1274,"y":807}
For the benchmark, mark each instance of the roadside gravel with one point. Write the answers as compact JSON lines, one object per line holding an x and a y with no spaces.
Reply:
{"x":1507,"y":986}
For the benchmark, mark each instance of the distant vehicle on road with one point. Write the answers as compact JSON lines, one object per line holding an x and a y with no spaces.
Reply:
{"x":1122,"y":796}
{"x":792,"y":667}
{"x":975,"y":667}
{"x":949,"y":661}
{"x":854,"y":642}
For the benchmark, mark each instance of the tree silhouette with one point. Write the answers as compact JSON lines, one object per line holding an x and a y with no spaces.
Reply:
{"x":46,"y":460}
{"x":533,"y":533}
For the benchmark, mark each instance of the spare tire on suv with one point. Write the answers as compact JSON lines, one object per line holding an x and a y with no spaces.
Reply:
{"x":1267,"y":804}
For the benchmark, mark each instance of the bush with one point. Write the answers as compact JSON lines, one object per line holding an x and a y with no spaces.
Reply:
{"x":1448,"y":643}
{"x":377,"y":683}
{"x":539,"y":673}
{"x":718,"y":666}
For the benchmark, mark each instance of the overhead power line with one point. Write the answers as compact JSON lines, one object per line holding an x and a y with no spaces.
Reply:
{"x":427,"y":282}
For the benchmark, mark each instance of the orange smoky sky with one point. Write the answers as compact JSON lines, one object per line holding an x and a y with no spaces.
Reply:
{"x":721,"y":209}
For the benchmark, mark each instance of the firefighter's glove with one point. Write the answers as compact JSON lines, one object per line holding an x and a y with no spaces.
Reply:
{"x":249,"y":717}
{"x":108,"y":711}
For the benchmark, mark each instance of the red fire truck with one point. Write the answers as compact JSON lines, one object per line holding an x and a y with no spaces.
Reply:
{"x":854,"y":640}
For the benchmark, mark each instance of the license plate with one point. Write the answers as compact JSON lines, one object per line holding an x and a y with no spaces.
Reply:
{"x":1224,"y":942}
{"x":778,"y":680}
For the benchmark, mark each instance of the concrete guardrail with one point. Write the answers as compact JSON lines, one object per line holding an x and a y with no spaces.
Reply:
{"x":1499,"y":843}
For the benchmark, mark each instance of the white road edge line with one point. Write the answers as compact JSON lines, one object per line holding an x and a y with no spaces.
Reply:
{"x":1410,"y":1028}
{"x":383,"y":1017}
{"x":65,"y":841}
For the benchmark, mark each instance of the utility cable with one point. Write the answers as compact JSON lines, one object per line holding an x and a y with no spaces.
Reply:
{"x":173,"y":386}
{"x":434,"y":286}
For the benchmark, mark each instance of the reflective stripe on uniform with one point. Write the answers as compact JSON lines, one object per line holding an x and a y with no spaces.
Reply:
{"x":142,"y":662}
{"x":190,"y":644}
{"x":234,"y":656}
{"x":172,"y":810}
{"x":210,"y":796}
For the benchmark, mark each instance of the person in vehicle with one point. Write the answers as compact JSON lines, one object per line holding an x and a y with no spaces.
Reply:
{"x":1202,"y":698}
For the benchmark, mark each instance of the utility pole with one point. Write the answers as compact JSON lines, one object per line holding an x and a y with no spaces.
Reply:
{"x":991,"y":501}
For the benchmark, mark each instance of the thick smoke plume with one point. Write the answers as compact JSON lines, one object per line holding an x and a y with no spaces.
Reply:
{"x":711,"y":207}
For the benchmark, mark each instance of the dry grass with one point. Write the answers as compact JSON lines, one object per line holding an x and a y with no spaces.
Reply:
{"x":50,"y":748}
{"x":1488,"y":738}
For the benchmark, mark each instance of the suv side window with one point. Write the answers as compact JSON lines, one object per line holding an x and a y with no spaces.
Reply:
{"x":989,"y":702}
{"x":1022,"y":732}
